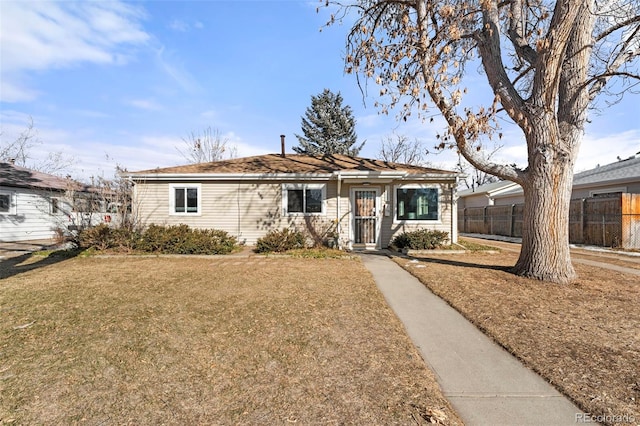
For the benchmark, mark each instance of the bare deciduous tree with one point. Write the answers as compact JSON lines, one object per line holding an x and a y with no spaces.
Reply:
{"x":400,"y":149}
{"x":20,"y":151}
{"x":544,"y":61}
{"x":206,"y":146}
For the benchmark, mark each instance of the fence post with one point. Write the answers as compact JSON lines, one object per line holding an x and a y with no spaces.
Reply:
{"x":604,"y":242}
{"x":512,"y":224}
{"x":464,"y":220}
{"x":583,"y":220}
{"x":484,"y":220}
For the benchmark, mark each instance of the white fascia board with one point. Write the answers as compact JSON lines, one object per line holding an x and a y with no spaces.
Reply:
{"x":363,"y":174}
{"x":503,"y":189}
{"x":402,"y":175}
{"x":431,"y":176}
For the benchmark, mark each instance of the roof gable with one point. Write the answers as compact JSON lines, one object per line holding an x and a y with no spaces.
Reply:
{"x":293,"y":164}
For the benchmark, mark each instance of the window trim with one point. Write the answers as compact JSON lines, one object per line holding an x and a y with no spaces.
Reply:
{"x":12,"y":203}
{"x":172,"y":198}
{"x":303,"y":186}
{"x":438,"y":188}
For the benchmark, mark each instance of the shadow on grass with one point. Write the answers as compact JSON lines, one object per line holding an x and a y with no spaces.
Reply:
{"x":16,"y":265}
{"x":462,"y":264}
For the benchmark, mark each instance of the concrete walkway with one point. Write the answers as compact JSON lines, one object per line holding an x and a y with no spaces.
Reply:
{"x":485,"y":384}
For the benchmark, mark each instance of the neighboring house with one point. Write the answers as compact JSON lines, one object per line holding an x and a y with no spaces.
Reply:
{"x":33,"y":205}
{"x":616,"y":178}
{"x":356,"y":202}
{"x":484,"y":195}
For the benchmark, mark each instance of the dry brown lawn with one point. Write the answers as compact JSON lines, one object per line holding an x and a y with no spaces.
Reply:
{"x":584,"y":338}
{"x":133,"y":340}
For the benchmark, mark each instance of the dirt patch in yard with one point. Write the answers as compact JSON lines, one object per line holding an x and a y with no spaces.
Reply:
{"x":207,"y":341}
{"x":583,"y":338}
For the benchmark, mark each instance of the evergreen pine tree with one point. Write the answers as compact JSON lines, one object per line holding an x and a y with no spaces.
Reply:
{"x":328,"y":127}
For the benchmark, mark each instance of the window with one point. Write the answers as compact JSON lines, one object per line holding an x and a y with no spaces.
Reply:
{"x":55,"y":206}
{"x":416,"y":203}
{"x":7,"y":203}
{"x":185,"y":199}
{"x":303,"y":199}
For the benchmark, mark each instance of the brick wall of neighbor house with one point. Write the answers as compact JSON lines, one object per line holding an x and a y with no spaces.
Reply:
{"x":246,"y":209}
{"x":33,"y":219}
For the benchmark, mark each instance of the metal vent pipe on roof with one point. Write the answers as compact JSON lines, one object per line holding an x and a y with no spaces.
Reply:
{"x":282,"y":145}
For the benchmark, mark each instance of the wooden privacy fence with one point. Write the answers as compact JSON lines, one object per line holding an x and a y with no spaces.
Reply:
{"x":608,"y":222}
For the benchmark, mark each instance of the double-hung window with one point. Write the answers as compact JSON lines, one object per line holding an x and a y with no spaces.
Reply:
{"x":417,"y":203}
{"x":7,"y":203}
{"x":302,"y":199}
{"x":185,"y":199}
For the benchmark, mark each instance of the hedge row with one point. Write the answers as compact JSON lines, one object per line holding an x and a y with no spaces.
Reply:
{"x":176,"y":239}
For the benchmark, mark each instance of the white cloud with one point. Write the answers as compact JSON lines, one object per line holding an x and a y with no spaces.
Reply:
{"x":179,"y":25}
{"x":176,"y":71}
{"x":209,"y":114}
{"x":606,"y":149}
{"x":14,"y":92}
{"x":145,"y":104}
{"x":183,"y":26}
{"x":40,"y":35}
{"x":370,"y":120}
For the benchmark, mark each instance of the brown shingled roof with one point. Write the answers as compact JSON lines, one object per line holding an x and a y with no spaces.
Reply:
{"x":292,"y":163}
{"x":21,"y":177}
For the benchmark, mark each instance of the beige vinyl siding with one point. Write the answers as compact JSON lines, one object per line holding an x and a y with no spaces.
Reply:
{"x":245,"y":209}
{"x":250,"y":209}
{"x":391,"y":227}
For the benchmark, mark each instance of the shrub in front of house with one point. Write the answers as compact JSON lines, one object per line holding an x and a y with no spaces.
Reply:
{"x":422,"y":239}
{"x":175,"y":239}
{"x":280,"y":241}
{"x":102,"y":237}
{"x":181,"y":239}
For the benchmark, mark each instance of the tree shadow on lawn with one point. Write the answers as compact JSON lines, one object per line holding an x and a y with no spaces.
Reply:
{"x":16,"y":265}
{"x":462,"y":264}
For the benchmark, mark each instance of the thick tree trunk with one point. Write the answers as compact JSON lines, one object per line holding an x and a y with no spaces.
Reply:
{"x":547,"y":190}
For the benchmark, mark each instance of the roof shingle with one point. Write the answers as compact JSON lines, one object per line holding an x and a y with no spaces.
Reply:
{"x":21,"y":177}
{"x":293,"y":163}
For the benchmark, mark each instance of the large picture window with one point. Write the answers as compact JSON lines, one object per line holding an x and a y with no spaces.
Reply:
{"x":303,"y":199}
{"x":185,"y":199}
{"x":417,"y":203}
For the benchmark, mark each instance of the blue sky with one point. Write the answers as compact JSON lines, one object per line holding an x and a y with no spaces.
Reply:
{"x":124,"y":82}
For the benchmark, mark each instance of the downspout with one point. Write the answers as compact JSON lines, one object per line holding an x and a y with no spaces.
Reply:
{"x":338,"y":224}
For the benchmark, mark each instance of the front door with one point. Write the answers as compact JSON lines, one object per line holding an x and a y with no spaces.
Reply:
{"x":365,"y":218}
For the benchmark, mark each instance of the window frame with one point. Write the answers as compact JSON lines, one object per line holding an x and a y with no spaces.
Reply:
{"x":172,"y":198}
{"x":438,"y":190}
{"x":54,"y":205}
{"x":12,"y":203}
{"x":286,"y":187}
